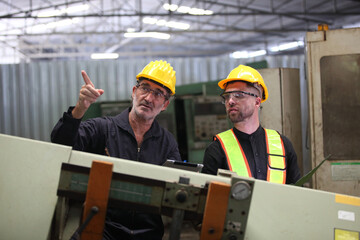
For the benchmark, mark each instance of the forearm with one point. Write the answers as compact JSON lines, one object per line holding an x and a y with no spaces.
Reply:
{"x":66,"y":129}
{"x":78,"y":112}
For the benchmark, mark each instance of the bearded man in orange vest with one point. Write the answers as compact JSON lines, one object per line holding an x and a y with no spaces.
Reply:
{"x":249,"y":149}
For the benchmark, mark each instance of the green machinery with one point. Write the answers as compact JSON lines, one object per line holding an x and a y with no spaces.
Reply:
{"x":201,"y":116}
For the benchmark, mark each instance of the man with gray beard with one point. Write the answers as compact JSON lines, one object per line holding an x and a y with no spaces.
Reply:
{"x":133,"y":134}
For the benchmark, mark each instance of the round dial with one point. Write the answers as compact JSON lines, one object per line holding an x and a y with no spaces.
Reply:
{"x":240,"y":190}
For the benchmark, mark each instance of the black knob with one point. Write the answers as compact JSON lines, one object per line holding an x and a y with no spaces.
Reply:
{"x":181,"y":196}
{"x":232,"y":237}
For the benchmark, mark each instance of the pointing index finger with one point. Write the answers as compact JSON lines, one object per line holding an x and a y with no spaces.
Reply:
{"x":86,"y":78}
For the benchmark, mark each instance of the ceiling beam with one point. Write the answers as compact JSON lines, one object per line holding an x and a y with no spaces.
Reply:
{"x":29,"y":11}
{"x":288,"y":14}
{"x":295,"y":15}
{"x":128,"y":54}
{"x":270,"y":30}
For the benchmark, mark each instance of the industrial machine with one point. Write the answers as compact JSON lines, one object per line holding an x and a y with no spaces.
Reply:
{"x":333,"y":70}
{"x":37,"y":176}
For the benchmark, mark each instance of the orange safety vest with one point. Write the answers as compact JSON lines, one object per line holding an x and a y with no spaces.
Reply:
{"x":276,"y":167}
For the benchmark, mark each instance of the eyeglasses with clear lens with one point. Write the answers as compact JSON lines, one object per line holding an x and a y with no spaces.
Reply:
{"x":145,"y":90}
{"x":235,"y":95}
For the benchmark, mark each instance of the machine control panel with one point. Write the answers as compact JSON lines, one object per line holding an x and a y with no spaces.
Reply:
{"x":209,"y":118}
{"x":207,"y":126}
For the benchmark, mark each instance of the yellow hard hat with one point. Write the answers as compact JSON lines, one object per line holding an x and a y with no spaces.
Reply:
{"x":161,"y":72}
{"x":247,"y":74}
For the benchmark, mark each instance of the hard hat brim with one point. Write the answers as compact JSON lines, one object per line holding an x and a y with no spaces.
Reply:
{"x":152,"y":78}
{"x":223,"y":82}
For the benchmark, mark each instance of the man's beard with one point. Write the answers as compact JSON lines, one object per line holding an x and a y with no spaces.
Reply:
{"x":241,"y":115}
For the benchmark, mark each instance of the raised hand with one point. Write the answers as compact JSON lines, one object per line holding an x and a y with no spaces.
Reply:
{"x":88,"y":95}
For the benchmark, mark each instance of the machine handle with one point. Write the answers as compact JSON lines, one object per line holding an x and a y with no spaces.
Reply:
{"x":77,"y":233}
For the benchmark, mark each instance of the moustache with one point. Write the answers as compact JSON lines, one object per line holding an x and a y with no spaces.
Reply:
{"x":146,"y":104}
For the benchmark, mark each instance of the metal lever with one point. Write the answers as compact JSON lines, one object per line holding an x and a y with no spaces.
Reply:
{"x":77,"y":233}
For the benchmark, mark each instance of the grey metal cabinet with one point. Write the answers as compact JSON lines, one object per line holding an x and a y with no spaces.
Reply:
{"x":333,"y":71}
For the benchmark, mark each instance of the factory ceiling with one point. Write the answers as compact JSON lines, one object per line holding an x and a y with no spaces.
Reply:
{"x":64,"y":29}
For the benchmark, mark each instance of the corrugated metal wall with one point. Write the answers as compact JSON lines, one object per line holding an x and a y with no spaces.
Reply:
{"x":34,"y":95}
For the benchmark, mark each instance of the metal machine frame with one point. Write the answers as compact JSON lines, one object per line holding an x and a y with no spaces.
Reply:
{"x":323,"y":44}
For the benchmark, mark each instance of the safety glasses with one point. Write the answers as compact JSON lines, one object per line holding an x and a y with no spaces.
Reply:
{"x":235,"y":95}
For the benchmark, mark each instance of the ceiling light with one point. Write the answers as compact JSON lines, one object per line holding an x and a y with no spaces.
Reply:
{"x":239,"y":54}
{"x":147,"y":35}
{"x":62,"y":23}
{"x":170,"y":24}
{"x":58,"y":12}
{"x":257,"y":53}
{"x":194,"y":11}
{"x":104,"y":56}
{"x":78,"y":8}
{"x":286,"y":46}
{"x":42,"y":27}
{"x":199,"y":11}
{"x":50,"y":13}
{"x":161,"y":23}
{"x":130,"y":29}
{"x":170,"y":7}
{"x":247,"y":54}
{"x":185,"y":9}
{"x":149,"y":20}
{"x":178,"y":25}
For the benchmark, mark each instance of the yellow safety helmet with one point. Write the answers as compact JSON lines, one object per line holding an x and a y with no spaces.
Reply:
{"x":247,"y":74}
{"x":161,"y":72}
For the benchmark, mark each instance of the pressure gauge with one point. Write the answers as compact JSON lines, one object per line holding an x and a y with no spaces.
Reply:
{"x":240,"y":190}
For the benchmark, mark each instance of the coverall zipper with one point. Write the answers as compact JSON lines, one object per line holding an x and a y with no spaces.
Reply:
{"x":138,"y":154}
